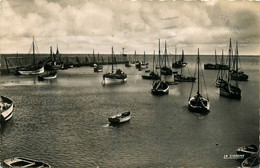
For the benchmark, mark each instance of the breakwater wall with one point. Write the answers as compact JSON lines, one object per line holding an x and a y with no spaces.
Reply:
{"x":11,"y":61}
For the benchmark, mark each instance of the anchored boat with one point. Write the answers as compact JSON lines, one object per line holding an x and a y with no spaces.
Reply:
{"x":247,"y":150}
{"x":24,"y":162}
{"x":166,"y":70}
{"x":120,"y":118}
{"x":198,"y":103}
{"x":6,"y":108}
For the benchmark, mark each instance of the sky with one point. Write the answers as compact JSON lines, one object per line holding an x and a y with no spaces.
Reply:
{"x":79,"y":26}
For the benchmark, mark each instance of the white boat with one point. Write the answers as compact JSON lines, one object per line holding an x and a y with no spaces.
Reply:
{"x":24,"y":162}
{"x":32,"y":69}
{"x":6,"y":108}
{"x":247,"y":150}
{"x":49,"y":76}
{"x":117,"y":76}
{"x":120,"y":118}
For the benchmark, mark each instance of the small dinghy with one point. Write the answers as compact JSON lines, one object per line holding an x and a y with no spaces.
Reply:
{"x":6,"y":108}
{"x":24,"y":162}
{"x":120,"y":118}
{"x":247,"y":150}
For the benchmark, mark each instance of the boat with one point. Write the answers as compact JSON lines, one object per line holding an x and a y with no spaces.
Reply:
{"x":251,"y":162}
{"x":226,"y":89}
{"x":220,"y":76}
{"x":152,"y":75}
{"x":98,"y":67}
{"x":6,"y":108}
{"x":25,"y":162}
{"x":247,"y":150}
{"x":48,"y":76}
{"x":180,"y":63}
{"x":144,"y":64}
{"x":117,"y":76}
{"x":215,"y":66}
{"x":120,"y":118}
{"x":181,"y":78}
{"x":165,"y":70}
{"x":236,"y":73}
{"x":130,"y":63}
{"x":55,"y":62}
{"x":198,"y":103}
{"x":34,"y":69}
{"x":160,"y":87}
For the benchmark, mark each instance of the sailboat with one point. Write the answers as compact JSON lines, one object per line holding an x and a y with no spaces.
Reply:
{"x":180,"y":63}
{"x":216,"y":66}
{"x":226,"y":88}
{"x":117,"y":76}
{"x":98,"y":67}
{"x":152,"y":75}
{"x":160,"y":87}
{"x":220,"y":81}
{"x":130,"y":63}
{"x":181,"y":77}
{"x":198,"y":103}
{"x":235,"y":73}
{"x":55,"y":62}
{"x":32,"y":69}
{"x":165,"y":70}
{"x":6,"y":108}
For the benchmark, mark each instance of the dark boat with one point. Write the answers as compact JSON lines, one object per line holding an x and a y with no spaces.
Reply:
{"x":220,"y":81}
{"x":236,"y":73}
{"x":247,"y":150}
{"x":180,"y":63}
{"x":120,"y":118}
{"x":33,"y":69}
{"x":6,"y":108}
{"x":130,"y":63}
{"x":160,"y":87}
{"x":24,"y":162}
{"x":152,"y":75}
{"x":215,"y":66}
{"x":117,"y":76}
{"x":251,"y":162}
{"x":55,"y":62}
{"x":225,"y":87}
{"x":166,"y":70}
{"x":181,"y":77}
{"x":198,"y":103}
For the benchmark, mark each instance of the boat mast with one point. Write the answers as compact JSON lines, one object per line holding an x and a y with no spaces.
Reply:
{"x":198,"y":72}
{"x":229,"y":55}
{"x":112,"y":60}
{"x":33,"y":52}
{"x":222,"y":64}
{"x":236,"y":55}
{"x":216,"y":60}
{"x":135,"y":55}
{"x":175,"y":54}
{"x":51,"y":55}
{"x":144,"y":57}
{"x":160,"y":58}
{"x":165,"y":54}
{"x":182,"y":56}
{"x":153,"y":59}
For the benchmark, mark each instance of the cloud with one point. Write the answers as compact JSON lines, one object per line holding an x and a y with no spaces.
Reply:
{"x":79,"y":26}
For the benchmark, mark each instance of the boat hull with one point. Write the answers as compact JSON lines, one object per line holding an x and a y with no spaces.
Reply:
{"x":180,"y":78}
{"x":160,"y":88}
{"x":120,"y":118}
{"x":199,"y":107}
{"x":24,"y":162}
{"x":7,"y":114}
{"x":31,"y":72}
{"x":229,"y":92}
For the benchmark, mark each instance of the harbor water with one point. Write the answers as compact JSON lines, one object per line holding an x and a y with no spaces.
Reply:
{"x":64,"y":122}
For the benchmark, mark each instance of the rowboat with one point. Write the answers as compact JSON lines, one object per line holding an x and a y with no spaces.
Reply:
{"x":6,"y":108}
{"x":24,"y":162}
{"x":120,"y":118}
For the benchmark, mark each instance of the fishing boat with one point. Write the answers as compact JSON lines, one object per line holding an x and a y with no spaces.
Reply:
{"x":251,"y":162}
{"x":247,"y":150}
{"x":120,"y":118}
{"x":144,"y":64}
{"x":165,"y":70}
{"x":226,"y":89}
{"x":6,"y":108}
{"x":130,"y":63}
{"x":180,"y":63}
{"x":152,"y":75}
{"x":220,"y":76}
{"x":117,"y":76}
{"x":24,"y":162}
{"x":181,"y":78}
{"x":55,"y":62}
{"x":48,"y":76}
{"x":98,"y":67}
{"x":236,"y":73}
{"x":198,"y":103}
{"x":32,"y":69}
{"x":160,"y":87}
{"x":215,"y":66}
